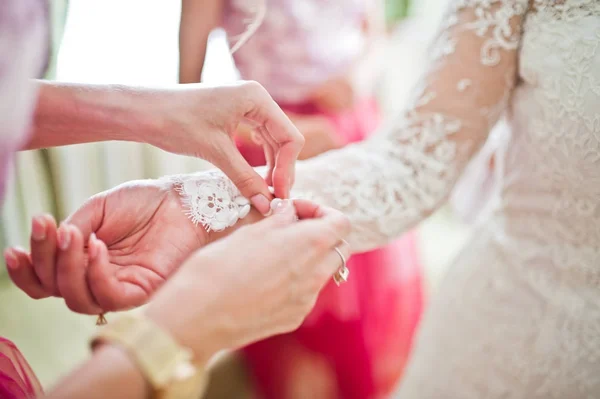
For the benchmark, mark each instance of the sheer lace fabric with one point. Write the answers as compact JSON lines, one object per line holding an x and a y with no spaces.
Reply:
{"x":401,"y":175}
{"x":211,"y":199}
{"x":518,"y":315}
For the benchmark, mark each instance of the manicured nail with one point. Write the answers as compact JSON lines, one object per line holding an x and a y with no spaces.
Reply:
{"x":275,"y":203}
{"x":64,"y":237}
{"x":92,"y":247}
{"x":281,"y":206}
{"x":10,"y":259}
{"x":38,"y":229}
{"x":261,"y":203}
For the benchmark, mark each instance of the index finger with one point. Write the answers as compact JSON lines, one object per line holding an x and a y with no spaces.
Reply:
{"x":320,"y":227}
{"x":290,"y":141}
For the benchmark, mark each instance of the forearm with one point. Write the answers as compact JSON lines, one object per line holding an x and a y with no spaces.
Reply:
{"x":79,"y":113}
{"x":198,"y":19}
{"x":109,"y":373}
{"x":369,"y":67}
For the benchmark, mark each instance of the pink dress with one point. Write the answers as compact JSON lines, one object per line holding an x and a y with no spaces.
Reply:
{"x":362,"y":331}
{"x":24,"y":43}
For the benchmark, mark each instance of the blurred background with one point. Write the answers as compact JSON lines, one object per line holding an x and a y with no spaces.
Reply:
{"x":135,"y":42}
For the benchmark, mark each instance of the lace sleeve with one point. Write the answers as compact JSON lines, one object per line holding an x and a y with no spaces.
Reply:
{"x":394,"y":180}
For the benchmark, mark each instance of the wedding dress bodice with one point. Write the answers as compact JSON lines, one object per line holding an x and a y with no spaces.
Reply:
{"x":518,"y":315}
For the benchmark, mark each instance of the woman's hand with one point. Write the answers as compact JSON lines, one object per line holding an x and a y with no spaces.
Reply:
{"x":319,"y":134}
{"x":201,"y":121}
{"x":259,"y":281}
{"x":145,"y":231}
{"x":335,"y":95}
{"x":196,"y":120}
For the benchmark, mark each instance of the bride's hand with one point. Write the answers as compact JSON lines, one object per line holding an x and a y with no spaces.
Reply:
{"x":147,"y":235}
{"x":259,"y":281}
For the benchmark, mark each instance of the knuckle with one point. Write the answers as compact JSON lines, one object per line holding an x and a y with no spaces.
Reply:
{"x":75,"y":306}
{"x":36,"y":294}
{"x":300,"y":141}
{"x":254,"y":96}
{"x":252,"y":87}
{"x":320,"y":241}
{"x":296,"y":323}
{"x":341,"y":223}
{"x":107,"y":303}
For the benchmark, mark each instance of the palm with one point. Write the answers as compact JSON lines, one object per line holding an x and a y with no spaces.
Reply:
{"x":147,"y":235}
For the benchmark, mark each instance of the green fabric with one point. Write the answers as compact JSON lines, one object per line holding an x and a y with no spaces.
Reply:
{"x":396,"y":10}
{"x":58,"y":18}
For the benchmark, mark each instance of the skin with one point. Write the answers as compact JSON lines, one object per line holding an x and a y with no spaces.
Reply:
{"x":230,"y":308}
{"x":196,"y":120}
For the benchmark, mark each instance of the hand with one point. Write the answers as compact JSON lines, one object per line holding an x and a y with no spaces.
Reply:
{"x":222,"y":298}
{"x":319,"y":134}
{"x":146,"y":234}
{"x":335,"y":95}
{"x":200,"y":120}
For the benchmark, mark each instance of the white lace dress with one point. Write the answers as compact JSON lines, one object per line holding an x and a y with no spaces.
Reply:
{"x":518,"y":315}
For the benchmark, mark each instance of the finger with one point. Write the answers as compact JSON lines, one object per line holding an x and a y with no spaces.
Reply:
{"x":288,"y":138}
{"x":110,"y":293}
{"x":43,"y":251}
{"x":21,"y":272}
{"x":71,"y":272}
{"x":270,"y":158}
{"x":270,"y":149}
{"x":332,"y":262}
{"x":245,"y":178}
{"x":320,"y":228}
{"x":284,"y":213}
{"x":88,"y":218}
{"x":284,"y":171}
{"x":306,"y":209}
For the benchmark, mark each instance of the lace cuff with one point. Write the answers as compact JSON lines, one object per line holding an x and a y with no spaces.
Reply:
{"x":211,"y":199}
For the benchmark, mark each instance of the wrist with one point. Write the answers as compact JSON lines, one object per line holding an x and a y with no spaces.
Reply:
{"x":170,"y":119}
{"x":252,"y":217}
{"x":123,"y":364}
{"x":166,"y":312}
{"x":110,"y":372}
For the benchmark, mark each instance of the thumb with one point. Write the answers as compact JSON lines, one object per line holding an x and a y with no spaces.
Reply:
{"x":284,"y":213}
{"x":243,"y":176}
{"x":89,"y":216}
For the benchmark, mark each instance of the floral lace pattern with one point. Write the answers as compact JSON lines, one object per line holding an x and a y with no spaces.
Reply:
{"x":518,"y":315}
{"x":391,"y":182}
{"x":211,"y":199}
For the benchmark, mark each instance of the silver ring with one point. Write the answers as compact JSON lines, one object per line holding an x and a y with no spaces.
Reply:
{"x":341,"y":276}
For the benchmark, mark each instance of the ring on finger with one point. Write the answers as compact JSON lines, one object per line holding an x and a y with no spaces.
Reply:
{"x":341,"y":275}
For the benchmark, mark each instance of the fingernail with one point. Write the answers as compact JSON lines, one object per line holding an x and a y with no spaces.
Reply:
{"x":282,"y":206}
{"x":10,"y":259}
{"x":64,"y":237}
{"x":275,"y":203}
{"x":38,"y":229}
{"x":92,"y":247}
{"x":261,"y":203}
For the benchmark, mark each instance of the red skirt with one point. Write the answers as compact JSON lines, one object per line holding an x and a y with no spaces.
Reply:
{"x":357,"y":339}
{"x":17,"y":380}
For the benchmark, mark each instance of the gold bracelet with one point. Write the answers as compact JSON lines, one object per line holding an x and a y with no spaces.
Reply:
{"x":165,"y":364}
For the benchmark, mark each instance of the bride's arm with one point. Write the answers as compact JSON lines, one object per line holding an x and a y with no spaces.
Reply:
{"x":394,"y":180}
{"x":391,"y":182}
